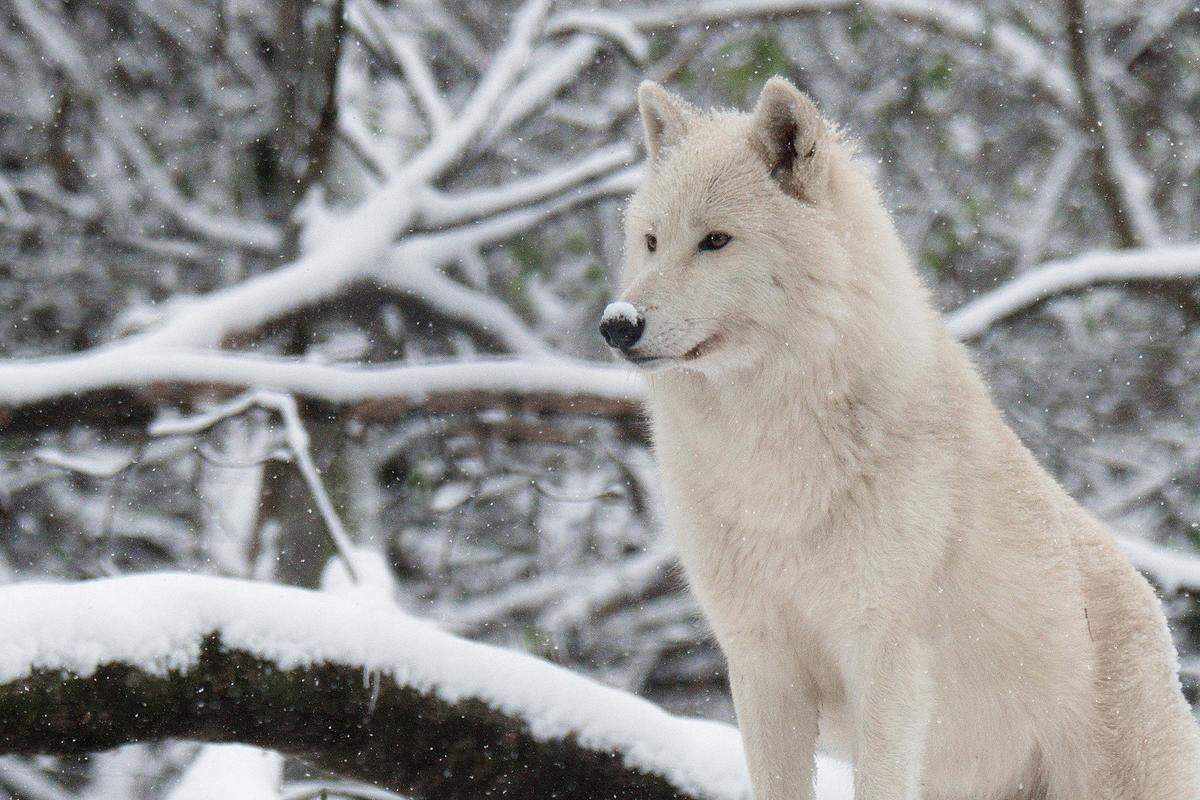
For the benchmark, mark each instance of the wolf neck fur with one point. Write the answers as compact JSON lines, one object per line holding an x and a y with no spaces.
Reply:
{"x":834,"y":413}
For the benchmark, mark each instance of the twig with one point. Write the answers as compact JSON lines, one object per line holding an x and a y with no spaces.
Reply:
{"x":1172,"y":262}
{"x":298,"y":442}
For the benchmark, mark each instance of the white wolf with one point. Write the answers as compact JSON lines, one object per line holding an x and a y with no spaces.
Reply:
{"x":886,"y":568}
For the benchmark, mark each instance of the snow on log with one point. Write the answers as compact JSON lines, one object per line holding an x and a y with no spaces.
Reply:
{"x":359,"y":689}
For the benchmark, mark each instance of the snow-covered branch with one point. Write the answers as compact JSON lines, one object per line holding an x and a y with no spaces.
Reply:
{"x":1171,"y":262}
{"x":1026,"y":57}
{"x":356,"y":688}
{"x":553,"y":384}
{"x":371,"y":392}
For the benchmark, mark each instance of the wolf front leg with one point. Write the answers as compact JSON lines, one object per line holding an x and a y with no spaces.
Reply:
{"x":893,"y":718}
{"x":777,"y":715}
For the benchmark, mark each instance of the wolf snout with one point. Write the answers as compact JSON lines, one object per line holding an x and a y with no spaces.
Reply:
{"x":621,"y":325}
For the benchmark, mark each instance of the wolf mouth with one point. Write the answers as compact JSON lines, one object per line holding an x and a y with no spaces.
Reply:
{"x":705,"y":346}
{"x":649,"y":362}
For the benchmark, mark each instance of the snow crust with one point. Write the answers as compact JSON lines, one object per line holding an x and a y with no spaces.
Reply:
{"x":620,"y":310}
{"x":158,"y":622}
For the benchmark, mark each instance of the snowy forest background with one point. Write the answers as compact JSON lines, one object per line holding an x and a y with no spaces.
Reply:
{"x":286,"y":280}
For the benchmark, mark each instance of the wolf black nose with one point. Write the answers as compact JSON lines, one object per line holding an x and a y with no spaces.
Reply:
{"x":621,"y":325}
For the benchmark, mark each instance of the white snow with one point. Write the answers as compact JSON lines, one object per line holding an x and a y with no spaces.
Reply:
{"x":620,"y":310}
{"x":1172,"y":570}
{"x":373,"y":582}
{"x":29,"y":381}
{"x":158,"y":622}
{"x":230,"y":772}
{"x":101,"y":463}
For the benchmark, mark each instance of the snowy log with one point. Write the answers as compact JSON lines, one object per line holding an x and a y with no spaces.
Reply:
{"x":354,"y":687}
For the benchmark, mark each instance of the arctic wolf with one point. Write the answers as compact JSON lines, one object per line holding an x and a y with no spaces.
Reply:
{"x":885,"y":566}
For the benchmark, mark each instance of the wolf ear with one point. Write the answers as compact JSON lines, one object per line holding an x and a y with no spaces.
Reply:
{"x":665,"y":117}
{"x":790,"y":136}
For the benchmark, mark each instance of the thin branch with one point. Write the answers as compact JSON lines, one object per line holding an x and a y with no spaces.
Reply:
{"x":1054,"y":186}
{"x":320,"y":142}
{"x":369,"y":20}
{"x":610,"y":24}
{"x":1170,"y":262}
{"x":555,"y":70}
{"x":476,"y":115}
{"x":1025,"y":56}
{"x":93,"y":466}
{"x":441,"y":209}
{"x":482,"y":311}
{"x":298,"y":442}
{"x":1123,"y":186}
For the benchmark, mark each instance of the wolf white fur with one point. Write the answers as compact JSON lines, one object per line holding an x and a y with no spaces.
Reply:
{"x":886,"y":568}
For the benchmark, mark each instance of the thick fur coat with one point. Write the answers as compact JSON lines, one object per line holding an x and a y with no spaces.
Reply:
{"x":886,"y":568}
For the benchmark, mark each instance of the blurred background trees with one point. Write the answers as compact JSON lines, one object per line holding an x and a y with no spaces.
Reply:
{"x":320,"y":196}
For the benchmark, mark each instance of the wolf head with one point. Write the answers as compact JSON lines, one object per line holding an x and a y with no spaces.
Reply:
{"x":752,"y":235}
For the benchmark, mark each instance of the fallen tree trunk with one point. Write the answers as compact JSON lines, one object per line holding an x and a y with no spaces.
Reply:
{"x":358,"y":689}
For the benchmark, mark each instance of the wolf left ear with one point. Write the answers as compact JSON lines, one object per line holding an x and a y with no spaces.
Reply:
{"x":665,"y":117}
{"x":789,"y":134}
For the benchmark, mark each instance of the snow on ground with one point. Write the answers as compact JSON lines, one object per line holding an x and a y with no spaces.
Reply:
{"x":158,"y":621}
{"x":230,"y":772}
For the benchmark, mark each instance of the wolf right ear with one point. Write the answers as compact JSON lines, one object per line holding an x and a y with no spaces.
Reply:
{"x":665,"y":117}
{"x":789,"y":134}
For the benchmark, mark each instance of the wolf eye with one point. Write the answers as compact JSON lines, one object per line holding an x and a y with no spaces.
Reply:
{"x":714,"y":241}
{"x":651,"y":242}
